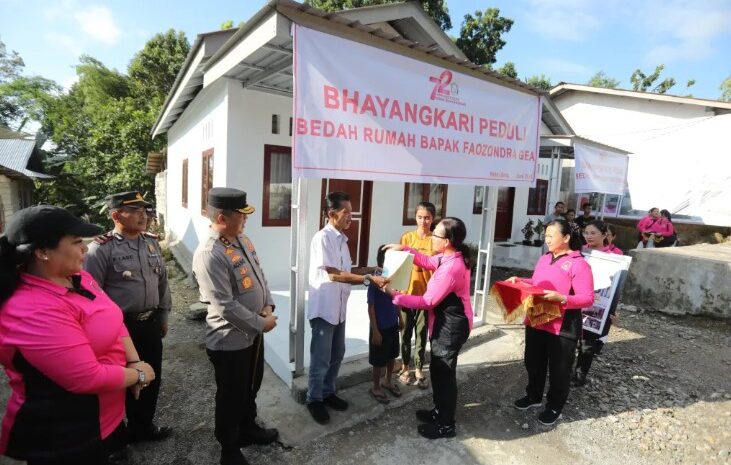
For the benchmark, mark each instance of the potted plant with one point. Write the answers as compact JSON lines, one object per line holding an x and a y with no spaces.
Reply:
{"x":528,"y":233}
{"x":539,"y":228}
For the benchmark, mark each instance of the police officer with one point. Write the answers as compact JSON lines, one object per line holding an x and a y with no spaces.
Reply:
{"x":127,"y":263}
{"x":240,"y":310}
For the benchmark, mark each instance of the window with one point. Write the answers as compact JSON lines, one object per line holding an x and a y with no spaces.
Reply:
{"x":184,"y":198}
{"x":206,"y":179}
{"x":477,"y":200}
{"x":537,"y":197}
{"x":275,"y":124}
{"x":415,"y":193}
{"x":277,"y":186}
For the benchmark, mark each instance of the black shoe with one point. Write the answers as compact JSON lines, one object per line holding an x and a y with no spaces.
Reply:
{"x":524,"y":403}
{"x":427,"y":416}
{"x":579,"y":379}
{"x":335,"y":403}
{"x":549,"y":417}
{"x":255,"y":434}
{"x":436,"y":431}
{"x":233,"y":457}
{"x":153,"y":433}
{"x":319,"y":412}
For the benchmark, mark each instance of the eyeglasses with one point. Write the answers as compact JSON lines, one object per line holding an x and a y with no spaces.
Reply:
{"x":438,"y":236}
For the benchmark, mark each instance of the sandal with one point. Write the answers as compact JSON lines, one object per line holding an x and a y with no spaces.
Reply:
{"x":382,"y":398}
{"x":406,"y":378}
{"x":393,"y":389}
{"x":422,"y":383}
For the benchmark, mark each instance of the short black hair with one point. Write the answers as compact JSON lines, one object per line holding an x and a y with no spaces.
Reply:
{"x":559,"y":203}
{"x":334,"y":201}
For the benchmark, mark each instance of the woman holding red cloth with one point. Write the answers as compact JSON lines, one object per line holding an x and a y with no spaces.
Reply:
{"x":550,"y":347}
{"x":447,"y":301}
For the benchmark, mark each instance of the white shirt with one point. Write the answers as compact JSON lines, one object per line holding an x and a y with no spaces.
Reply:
{"x":328,"y":299}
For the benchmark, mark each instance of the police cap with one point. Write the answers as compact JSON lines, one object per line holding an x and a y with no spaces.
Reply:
{"x":126,"y":199}
{"x":227,"y":198}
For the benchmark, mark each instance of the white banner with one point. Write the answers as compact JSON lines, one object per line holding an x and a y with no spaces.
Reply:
{"x":365,"y":113}
{"x":599,"y":170}
{"x":609,"y":271}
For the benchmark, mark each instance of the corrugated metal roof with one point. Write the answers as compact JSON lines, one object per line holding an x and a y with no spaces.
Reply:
{"x":14,"y":156}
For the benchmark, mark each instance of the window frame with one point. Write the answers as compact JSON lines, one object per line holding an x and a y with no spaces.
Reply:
{"x":206,"y":178}
{"x":265,"y":220}
{"x":184,"y":184}
{"x":406,"y":221}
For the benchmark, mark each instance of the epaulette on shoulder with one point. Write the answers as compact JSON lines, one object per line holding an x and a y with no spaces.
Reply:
{"x":151,"y":235}
{"x":104,"y":238}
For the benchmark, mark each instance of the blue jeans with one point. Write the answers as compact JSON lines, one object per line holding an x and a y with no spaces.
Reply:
{"x":327,"y":349}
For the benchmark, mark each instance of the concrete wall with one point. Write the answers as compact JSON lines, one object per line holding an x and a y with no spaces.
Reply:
{"x":15,"y":194}
{"x":682,"y":280}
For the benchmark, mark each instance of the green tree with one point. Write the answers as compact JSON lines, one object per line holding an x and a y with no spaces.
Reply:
{"x":153,"y":69}
{"x":481,"y":35}
{"x":540,"y":81}
{"x":228,"y":24}
{"x":602,"y":80}
{"x":642,"y":82}
{"x":436,"y":9}
{"x":725,"y":89}
{"x":11,"y":64}
{"x":508,"y":69}
{"x":101,"y":127}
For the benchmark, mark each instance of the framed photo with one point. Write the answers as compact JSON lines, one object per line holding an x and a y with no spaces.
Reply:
{"x":477,"y":200}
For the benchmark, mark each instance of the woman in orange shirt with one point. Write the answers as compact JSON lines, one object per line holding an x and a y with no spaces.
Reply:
{"x":415,"y":321}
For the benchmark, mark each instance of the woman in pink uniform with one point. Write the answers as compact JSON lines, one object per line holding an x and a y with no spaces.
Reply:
{"x":596,"y":235}
{"x":447,"y":300}
{"x":64,"y":347}
{"x":566,"y":278}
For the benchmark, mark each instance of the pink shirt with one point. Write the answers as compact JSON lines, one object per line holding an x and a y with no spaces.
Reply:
{"x":611,"y":248}
{"x":569,"y":271}
{"x":662,"y":226}
{"x":451,"y":276}
{"x":74,"y":341}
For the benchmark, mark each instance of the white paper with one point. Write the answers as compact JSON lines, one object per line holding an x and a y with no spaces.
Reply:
{"x":397,"y":266}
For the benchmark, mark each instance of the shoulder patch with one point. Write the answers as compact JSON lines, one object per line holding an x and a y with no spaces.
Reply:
{"x":151,"y":235}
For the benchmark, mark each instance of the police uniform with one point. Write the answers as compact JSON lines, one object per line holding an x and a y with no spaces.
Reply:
{"x":132,"y":272}
{"x":233,"y":284}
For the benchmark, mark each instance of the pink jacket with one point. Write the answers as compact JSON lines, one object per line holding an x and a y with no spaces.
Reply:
{"x":451,"y":276}
{"x":568,"y":272}
{"x":74,"y":341}
{"x":662,"y":226}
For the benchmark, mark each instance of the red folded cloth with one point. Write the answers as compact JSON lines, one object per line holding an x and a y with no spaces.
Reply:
{"x":520,"y":298}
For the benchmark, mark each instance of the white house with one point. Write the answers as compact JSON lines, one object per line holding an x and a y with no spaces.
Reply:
{"x":679,"y":149}
{"x":228,"y":120}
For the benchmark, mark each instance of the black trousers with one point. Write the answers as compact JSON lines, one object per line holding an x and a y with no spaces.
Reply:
{"x":238,"y":379}
{"x":552,"y":354}
{"x":589,"y":346}
{"x":443,"y":371}
{"x":147,"y":338}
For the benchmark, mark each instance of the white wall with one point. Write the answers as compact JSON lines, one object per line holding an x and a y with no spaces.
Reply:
{"x":202,"y":127}
{"x":624,"y":122}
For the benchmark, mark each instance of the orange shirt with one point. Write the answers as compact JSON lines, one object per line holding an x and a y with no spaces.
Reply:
{"x":419,"y":276}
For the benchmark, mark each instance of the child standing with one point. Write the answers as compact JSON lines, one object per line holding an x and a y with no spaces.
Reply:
{"x":383,"y":339}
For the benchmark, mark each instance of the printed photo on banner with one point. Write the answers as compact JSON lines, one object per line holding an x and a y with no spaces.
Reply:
{"x":610,"y":272}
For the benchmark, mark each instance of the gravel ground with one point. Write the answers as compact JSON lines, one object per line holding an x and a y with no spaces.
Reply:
{"x":659,"y":394}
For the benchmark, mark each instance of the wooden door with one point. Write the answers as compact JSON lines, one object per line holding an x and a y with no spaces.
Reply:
{"x":360,"y":198}
{"x":504,"y":214}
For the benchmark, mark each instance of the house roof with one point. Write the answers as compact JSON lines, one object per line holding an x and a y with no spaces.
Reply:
{"x":716,"y":106}
{"x":14,"y":157}
{"x":268,"y":66}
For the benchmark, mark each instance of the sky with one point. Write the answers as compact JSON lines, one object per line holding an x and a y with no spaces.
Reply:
{"x":566,"y":40}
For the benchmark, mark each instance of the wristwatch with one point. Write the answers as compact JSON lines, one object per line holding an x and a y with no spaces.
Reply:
{"x":140,"y":377}
{"x":367,"y":280}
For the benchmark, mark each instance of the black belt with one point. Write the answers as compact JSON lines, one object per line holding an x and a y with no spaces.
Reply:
{"x":140,"y":316}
